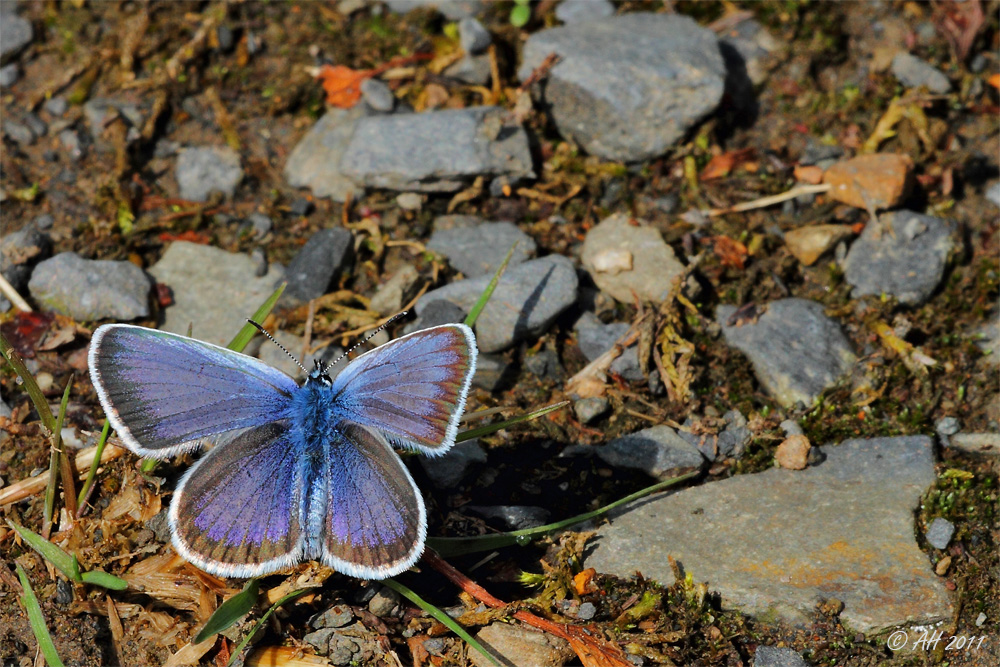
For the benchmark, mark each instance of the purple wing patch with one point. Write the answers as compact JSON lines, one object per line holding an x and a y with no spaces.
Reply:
{"x":163,"y":392}
{"x":375,"y":517}
{"x":238,"y":510}
{"x":413,"y":389}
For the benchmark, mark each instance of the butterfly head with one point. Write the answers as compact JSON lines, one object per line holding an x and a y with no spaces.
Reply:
{"x":319,"y":374}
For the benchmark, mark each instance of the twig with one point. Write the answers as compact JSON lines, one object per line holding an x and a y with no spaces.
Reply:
{"x":32,"y":485}
{"x":12,"y":295}
{"x":769,"y":201}
{"x":595,"y":371}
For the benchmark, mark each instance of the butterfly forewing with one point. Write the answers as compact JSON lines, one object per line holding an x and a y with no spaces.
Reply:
{"x":238,"y":511}
{"x":375,"y":522}
{"x":412,"y":389}
{"x":162,"y":392}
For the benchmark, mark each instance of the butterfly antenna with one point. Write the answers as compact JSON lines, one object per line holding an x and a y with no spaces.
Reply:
{"x":364,"y":340}
{"x":280,"y":346}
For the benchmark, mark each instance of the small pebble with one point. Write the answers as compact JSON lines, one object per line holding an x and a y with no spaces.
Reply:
{"x":410,"y":201}
{"x":71,"y":142}
{"x":939,"y":533}
{"x":19,"y":133}
{"x":261,"y":225}
{"x":791,"y":428}
{"x":301,"y":207}
{"x":588,"y":410}
{"x":259,"y":261}
{"x":384,"y":602}
{"x":378,"y":95}
{"x":586,"y":611}
{"x":37,"y":125}
{"x":793,"y":453}
{"x":9,"y":75}
{"x":43,"y":222}
{"x":473,"y":37}
{"x":947,"y":426}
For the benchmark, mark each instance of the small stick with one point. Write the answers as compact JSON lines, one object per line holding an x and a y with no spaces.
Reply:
{"x":12,"y":295}
{"x":32,"y":485}
{"x":769,"y":201}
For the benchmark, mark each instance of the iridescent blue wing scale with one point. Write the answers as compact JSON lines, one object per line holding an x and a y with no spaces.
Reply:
{"x":163,"y":392}
{"x":238,"y":511}
{"x":375,"y":522}
{"x":412,"y":390}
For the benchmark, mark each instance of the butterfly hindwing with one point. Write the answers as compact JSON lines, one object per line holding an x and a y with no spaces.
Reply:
{"x":412,"y":389}
{"x":238,"y":511}
{"x":163,"y":392}
{"x":375,"y":521}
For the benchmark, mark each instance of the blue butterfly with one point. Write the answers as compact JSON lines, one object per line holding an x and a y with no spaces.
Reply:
{"x":297,"y":472}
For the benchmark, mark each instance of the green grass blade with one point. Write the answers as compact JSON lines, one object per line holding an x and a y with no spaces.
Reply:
{"x":55,"y":456}
{"x":470,"y":320}
{"x":249,"y":331}
{"x":263,"y":619}
{"x":457,"y":546}
{"x":30,"y":386}
{"x":67,"y":563}
{"x":444,"y":618}
{"x":473,"y":433}
{"x":37,"y":621}
{"x":92,"y":473}
{"x":230,"y":611}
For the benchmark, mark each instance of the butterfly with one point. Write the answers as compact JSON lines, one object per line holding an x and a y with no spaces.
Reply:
{"x":297,"y":472}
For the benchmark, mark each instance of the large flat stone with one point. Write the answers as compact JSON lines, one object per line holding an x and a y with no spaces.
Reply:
{"x":214,"y":291}
{"x":781,"y":541}
{"x":436,"y":151}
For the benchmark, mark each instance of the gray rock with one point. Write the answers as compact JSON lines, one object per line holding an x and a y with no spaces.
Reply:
{"x":447,"y":471}
{"x":316,"y":266}
{"x":796,"y":350}
{"x":791,"y":428}
{"x":515,"y":517}
{"x":947,"y":426}
{"x":939,"y":533}
{"x":410,"y":201}
{"x":315,"y":161}
{"x":514,"y":645}
{"x":377,"y":94}
{"x":526,"y":301}
{"x":977,"y":443}
{"x":435,"y":151}
{"x":70,"y":140}
{"x":395,"y":292}
{"x":776,"y":543}
{"x":38,"y":126}
{"x":473,"y":37}
{"x":9,"y":75}
{"x":261,"y":225}
{"x":657,"y":451}
{"x":736,"y":435}
{"x":474,"y":70}
{"x":588,"y":410}
{"x":19,"y":133}
{"x":902,"y":256}
{"x":450,"y":222}
{"x":913,"y":72}
{"x":273,"y":356}
{"x":492,"y":371}
{"x":21,"y":250}
{"x":301,"y":207}
{"x":351,"y":645}
{"x":576,"y":11}
{"x":987,"y":339}
{"x":479,"y":251}
{"x":628,"y":87}
{"x":214,"y":290}
{"x":383,"y":602}
{"x":629,"y":261}
{"x":336,"y":616}
{"x":586,"y":612}
{"x":595,"y":338}
{"x":201,"y":171}
{"x":434,"y":314}
{"x":993,"y":193}
{"x":88,"y":290}
{"x":15,"y":34}
{"x":544,"y":365}
{"x":453,"y":10}
{"x":770,"y":656}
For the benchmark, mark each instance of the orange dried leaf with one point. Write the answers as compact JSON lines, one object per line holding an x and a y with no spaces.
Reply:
{"x":810,"y":174}
{"x":731,"y":253}
{"x":994,"y":81}
{"x":342,"y":84}
{"x":582,"y":581}
{"x":722,"y":165}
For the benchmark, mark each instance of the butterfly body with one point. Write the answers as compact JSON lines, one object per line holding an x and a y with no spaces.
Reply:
{"x":297,"y":472}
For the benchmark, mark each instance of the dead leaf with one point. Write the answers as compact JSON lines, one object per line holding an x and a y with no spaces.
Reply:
{"x":731,"y":253}
{"x":722,"y":165}
{"x":342,"y":84}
